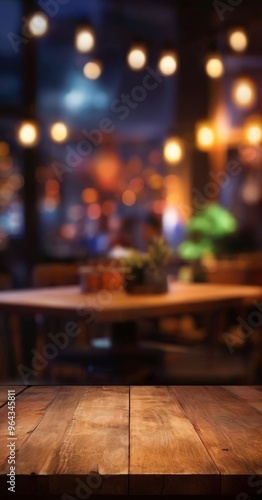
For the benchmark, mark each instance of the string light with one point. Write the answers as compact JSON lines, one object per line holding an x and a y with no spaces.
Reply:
{"x":28,"y":134}
{"x":244,"y":93}
{"x":253,"y":130}
{"x":85,"y":39}
{"x":168,"y":63}
{"x":173,"y":150}
{"x":38,"y":24}
{"x":137,"y":57}
{"x":205,"y":136}
{"x":92,"y":70}
{"x":59,"y":132}
{"x":238,"y":40}
{"x":214,"y":66}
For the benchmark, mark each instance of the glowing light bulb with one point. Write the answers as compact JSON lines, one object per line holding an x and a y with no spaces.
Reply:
{"x":214,"y":67}
{"x":38,"y":24}
{"x":205,"y":136}
{"x":137,"y":58}
{"x":85,"y":39}
{"x":244,"y":93}
{"x":253,"y":130}
{"x":168,"y":63}
{"x":59,"y":132}
{"x":173,"y":150}
{"x":92,"y":70}
{"x":28,"y":134}
{"x":238,"y":40}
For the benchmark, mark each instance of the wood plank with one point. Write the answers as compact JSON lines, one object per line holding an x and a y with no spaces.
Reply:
{"x":82,"y":436}
{"x":231,"y":431}
{"x":4,"y":392}
{"x":251,"y":395}
{"x":166,"y":454}
{"x":31,"y":406}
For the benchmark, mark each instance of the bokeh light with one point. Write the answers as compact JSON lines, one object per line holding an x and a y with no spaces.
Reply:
{"x":94,"y":211}
{"x":85,"y":39}
{"x":214,"y":67}
{"x":173,"y":150}
{"x":4,"y":149}
{"x":38,"y":24}
{"x":90,"y":195}
{"x":28,"y":134}
{"x":205,"y":136}
{"x":129,"y":198}
{"x":137,"y":58}
{"x":244,"y":93}
{"x":59,"y":132}
{"x":168,"y":63}
{"x":253,"y":130}
{"x":92,"y":70}
{"x":238,"y":40}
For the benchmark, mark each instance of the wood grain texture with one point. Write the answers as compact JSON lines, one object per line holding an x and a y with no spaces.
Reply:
{"x":118,"y":306}
{"x":249,"y":394}
{"x":230,"y":430}
{"x":177,"y":441}
{"x":4,"y":392}
{"x":81,"y":436}
{"x":166,"y":454}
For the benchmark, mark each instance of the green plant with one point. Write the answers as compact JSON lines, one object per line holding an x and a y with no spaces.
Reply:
{"x":207,"y":232}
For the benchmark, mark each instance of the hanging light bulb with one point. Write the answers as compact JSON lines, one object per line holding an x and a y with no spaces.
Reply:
{"x":214,"y":66}
{"x":38,"y":24}
{"x":168,"y":63}
{"x":244,"y":93}
{"x":28,"y":134}
{"x":85,"y":39}
{"x":92,"y":70}
{"x":205,"y":136}
{"x":59,"y":132}
{"x":137,"y":57}
{"x":173,"y":150}
{"x":238,"y":40}
{"x":253,"y":130}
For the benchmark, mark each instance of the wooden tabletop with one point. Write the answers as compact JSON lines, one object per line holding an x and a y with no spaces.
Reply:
{"x":119,"y":306}
{"x":137,"y":440}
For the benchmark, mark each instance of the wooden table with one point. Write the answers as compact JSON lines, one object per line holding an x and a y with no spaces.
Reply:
{"x":120,"y":310}
{"x":108,"y":306}
{"x":176,"y":441}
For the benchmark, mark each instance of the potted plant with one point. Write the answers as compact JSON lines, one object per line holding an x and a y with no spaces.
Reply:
{"x":147,"y":272}
{"x":208,"y":233}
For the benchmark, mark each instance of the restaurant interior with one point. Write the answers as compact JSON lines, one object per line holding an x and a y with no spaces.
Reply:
{"x":130,"y":192}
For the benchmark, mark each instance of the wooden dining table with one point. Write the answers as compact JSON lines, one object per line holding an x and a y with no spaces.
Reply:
{"x":122,"y":311}
{"x":201,"y":442}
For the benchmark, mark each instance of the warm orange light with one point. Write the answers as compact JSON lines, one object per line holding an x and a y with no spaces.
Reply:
{"x":28,"y":134}
{"x":108,"y":207}
{"x":92,"y":70}
{"x":52,"y":187}
{"x":214,"y":67}
{"x":136,"y":184}
{"x":173,"y":150}
{"x":155,"y":181}
{"x":129,"y":198}
{"x":85,"y":39}
{"x":137,"y":57}
{"x":59,"y":132}
{"x":253,"y":130}
{"x":4,"y":149}
{"x":89,"y":195}
{"x":168,"y":63}
{"x":238,"y":40}
{"x":244,"y":93}
{"x":94,"y":211}
{"x":205,"y":136}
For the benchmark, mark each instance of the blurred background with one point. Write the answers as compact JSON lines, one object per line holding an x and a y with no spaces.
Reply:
{"x":120,"y":120}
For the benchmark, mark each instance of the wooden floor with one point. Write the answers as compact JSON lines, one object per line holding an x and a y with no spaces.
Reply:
{"x":179,"y":441}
